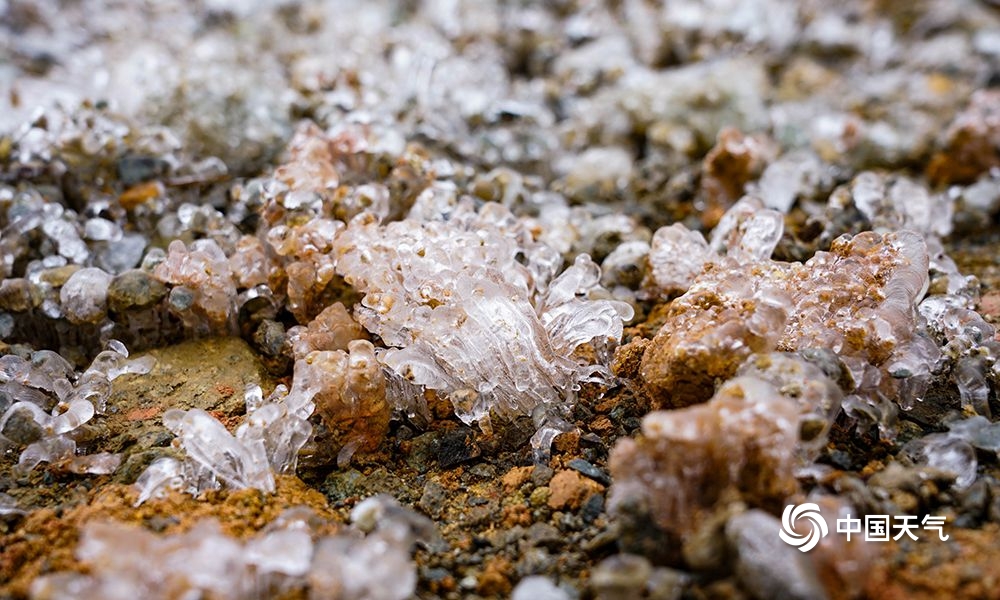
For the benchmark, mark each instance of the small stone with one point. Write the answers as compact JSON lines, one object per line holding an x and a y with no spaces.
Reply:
{"x":138,"y":169}
{"x":516,"y":477}
{"x":423,"y":450}
{"x":433,"y":499}
{"x":620,"y":577}
{"x":495,"y":578}
{"x":270,"y":337}
{"x":84,"y":296}
{"x":134,"y":289}
{"x":766,"y":566}
{"x":570,"y":489}
{"x":15,"y":294}
{"x":542,"y":474}
{"x":545,"y":535}
{"x":456,"y":447}
{"x":589,"y":470}
{"x":540,"y":496}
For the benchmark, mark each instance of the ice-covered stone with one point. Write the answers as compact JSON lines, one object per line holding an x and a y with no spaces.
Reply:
{"x":536,"y":587}
{"x":205,"y":291}
{"x":84,"y":296}
{"x":858,"y":300}
{"x":744,"y":444}
{"x":349,"y":391}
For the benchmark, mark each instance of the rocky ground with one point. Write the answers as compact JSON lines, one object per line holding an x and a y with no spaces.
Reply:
{"x":593,"y":125}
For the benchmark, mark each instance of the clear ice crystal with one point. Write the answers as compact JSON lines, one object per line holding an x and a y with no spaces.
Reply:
{"x":266,"y":443}
{"x":462,"y":316}
{"x":59,"y":402}
{"x":289,"y":556}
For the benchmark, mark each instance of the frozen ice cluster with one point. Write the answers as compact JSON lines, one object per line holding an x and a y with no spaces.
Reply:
{"x":461,"y":315}
{"x":291,"y":555}
{"x":45,"y":404}
{"x":746,"y":443}
{"x":267,"y":442}
{"x":858,"y":299}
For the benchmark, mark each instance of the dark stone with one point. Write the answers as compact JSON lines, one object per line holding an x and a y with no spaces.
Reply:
{"x":592,"y":508}
{"x":433,"y":499}
{"x":15,"y":294}
{"x":137,"y":169}
{"x":269,"y":338}
{"x":181,"y":298}
{"x":134,"y":289}
{"x":541,"y":475}
{"x":21,"y":428}
{"x":456,"y":447}
{"x":545,"y":536}
{"x":423,"y":449}
{"x":588,"y":470}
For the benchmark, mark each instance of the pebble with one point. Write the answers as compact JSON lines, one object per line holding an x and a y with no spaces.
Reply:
{"x":590,"y":471}
{"x":457,"y":447}
{"x":766,"y":566}
{"x":570,"y":489}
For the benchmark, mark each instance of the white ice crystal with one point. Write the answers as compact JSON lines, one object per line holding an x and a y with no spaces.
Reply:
{"x":58,"y":401}
{"x":267,"y":442}
{"x":287,"y":557}
{"x":472,"y":307}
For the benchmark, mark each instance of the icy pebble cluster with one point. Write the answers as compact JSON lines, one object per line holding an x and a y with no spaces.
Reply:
{"x":370,"y":561}
{"x":746,"y":443}
{"x":45,"y":404}
{"x":859,"y":300}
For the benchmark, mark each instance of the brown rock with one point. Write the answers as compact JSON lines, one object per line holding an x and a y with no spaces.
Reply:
{"x":972,"y":142}
{"x":740,"y":446}
{"x":495,"y":578}
{"x":569,"y":490}
{"x":734,"y":160}
{"x":516,"y":477}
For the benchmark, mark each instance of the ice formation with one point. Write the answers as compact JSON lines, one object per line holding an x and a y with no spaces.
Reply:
{"x":462,"y":316}
{"x":288,"y":556}
{"x":44,"y":403}
{"x":266,"y":442}
{"x":859,"y":299}
{"x":746,"y":443}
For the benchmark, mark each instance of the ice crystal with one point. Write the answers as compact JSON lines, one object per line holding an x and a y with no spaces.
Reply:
{"x":266,"y":442}
{"x":287,"y":556}
{"x":463,"y":316}
{"x":47,"y":392}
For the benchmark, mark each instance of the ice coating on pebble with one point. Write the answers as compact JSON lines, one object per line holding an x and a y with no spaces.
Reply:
{"x":288,"y":555}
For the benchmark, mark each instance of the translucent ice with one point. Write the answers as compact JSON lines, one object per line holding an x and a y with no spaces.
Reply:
{"x":287,"y":557}
{"x":462,"y":316}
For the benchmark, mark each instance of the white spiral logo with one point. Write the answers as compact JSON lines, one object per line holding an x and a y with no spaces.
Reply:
{"x":817,"y":530}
